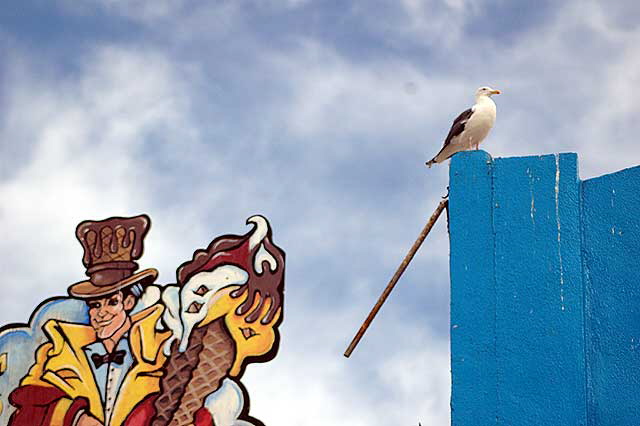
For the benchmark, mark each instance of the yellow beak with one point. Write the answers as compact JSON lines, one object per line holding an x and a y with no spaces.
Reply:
{"x":496,"y":92}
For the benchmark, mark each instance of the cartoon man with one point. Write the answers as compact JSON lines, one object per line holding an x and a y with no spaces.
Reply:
{"x":94,"y":375}
{"x":127,"y":369}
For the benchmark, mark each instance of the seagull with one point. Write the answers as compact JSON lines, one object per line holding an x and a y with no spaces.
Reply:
{"x":471,"y":127}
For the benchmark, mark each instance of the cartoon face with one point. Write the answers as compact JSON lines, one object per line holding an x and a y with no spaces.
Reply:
{"x":108,"y":314}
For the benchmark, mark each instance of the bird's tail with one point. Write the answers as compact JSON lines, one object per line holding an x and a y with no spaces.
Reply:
{"x":446,"y":152}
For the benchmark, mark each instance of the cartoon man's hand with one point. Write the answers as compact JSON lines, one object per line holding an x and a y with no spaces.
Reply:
{"x":88,"y":420}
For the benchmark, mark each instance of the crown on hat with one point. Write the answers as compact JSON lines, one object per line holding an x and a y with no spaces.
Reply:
{"x":111,"y":247}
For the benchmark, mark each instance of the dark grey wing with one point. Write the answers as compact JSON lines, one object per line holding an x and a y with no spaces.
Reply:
{"x":458,"y":126}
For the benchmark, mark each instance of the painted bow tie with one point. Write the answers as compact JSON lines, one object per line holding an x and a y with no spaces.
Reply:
{"x":117,"y":357}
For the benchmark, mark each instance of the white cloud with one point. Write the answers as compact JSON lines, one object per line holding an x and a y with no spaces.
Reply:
{"x":359,"y":108}
{"x":85,"y":136}
{"x":426,"y":23}
{"x":144,"y":11}
{"x":432,"y":21}
{"x":402,"y":381}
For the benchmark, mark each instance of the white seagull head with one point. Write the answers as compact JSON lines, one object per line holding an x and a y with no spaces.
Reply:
{"x":486,"y":91}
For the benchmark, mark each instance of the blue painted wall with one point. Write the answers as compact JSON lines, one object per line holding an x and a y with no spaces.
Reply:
{"x":545,"y":293}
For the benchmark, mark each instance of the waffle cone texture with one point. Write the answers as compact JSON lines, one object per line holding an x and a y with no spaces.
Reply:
{"x":192,"y":375}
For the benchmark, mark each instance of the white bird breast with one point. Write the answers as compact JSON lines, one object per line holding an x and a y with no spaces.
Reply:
{"x":479,"y":124}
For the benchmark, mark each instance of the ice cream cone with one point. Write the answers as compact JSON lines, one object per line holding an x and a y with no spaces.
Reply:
{"x":214,"y":363}
{"x":194,"y":374}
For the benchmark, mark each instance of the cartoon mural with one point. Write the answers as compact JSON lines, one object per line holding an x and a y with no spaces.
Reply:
{"x":122,"y":350}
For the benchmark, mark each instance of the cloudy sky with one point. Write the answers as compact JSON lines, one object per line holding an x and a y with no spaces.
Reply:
{"x":318,"y":115}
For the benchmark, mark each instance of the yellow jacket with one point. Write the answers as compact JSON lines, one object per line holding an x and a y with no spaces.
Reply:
{"x":62,"y":363}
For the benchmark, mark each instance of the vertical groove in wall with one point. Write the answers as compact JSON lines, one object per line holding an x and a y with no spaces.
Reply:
{"x":585,"y":312}
{"x":495,"y":295}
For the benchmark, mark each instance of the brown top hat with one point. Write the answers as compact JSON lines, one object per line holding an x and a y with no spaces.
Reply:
{"x":110,"y":248}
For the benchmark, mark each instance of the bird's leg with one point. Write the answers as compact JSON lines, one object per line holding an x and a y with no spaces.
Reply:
{"x":477,"y":146}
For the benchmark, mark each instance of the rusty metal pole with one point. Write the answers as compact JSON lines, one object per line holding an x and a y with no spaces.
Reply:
{"x":407,"y":259}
